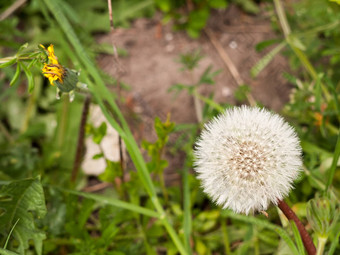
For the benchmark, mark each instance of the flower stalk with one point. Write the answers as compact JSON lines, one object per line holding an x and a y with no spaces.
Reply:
{"x":306,"y":239}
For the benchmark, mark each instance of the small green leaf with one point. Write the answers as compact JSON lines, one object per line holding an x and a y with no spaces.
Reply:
{"x":98,"y":156}
{"x":22,"y":47}
{"x":16,"y":75}
{"x":7,"y":62}
{"x":29,"y":77}
{"x":7,"y":252}
{"x":208,"y":77}
{"x":112,"y":171}
{"x":32,"y":63}
{"x":264,"y":44}
{"x":241,"y":92}
{"x":99,"y":133}
{"x":256,"y":69}
{"x":217,"y":3}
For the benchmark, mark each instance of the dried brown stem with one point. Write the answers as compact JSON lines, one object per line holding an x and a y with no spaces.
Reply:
{"x":120,"y":72}
{"x":306,"y":239}
{"x":17,"y":4}
{"x":81,"y":136}
{"x":228,"y":63}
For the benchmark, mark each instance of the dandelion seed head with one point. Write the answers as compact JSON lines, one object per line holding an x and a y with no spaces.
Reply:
{"x":247,"y":158}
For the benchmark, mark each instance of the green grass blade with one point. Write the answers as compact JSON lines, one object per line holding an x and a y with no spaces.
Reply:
{"x":113,"y":202}
{"x":298,"y":239}
{"x":266,"y":224}
{"x":334,"y":163}
{"x":187,"y":222}
{"x":334,"y":244}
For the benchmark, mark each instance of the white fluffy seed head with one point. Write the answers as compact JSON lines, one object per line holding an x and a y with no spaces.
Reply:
{"x":247,"y":158}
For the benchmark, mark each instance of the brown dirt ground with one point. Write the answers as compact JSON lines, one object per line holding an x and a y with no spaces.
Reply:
{"x":151,"y":67}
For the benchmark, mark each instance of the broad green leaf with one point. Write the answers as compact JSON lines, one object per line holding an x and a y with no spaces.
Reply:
{"x":23,"y":200}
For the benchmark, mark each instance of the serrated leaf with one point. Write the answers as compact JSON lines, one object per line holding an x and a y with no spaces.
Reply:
{"x":256,"y":69}
{"x":16,"y":76}
{"x":23,"y":200}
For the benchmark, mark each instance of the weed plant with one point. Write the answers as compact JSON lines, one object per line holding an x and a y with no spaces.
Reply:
{"x":43,"y":206}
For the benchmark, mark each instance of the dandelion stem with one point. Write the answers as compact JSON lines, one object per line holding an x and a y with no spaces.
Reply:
{"x":306,"y":239}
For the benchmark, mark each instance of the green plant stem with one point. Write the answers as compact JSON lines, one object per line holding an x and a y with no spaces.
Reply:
{"x":187,"y":221}
{"x":211,"y":103}
{"x":300,"y":54}
{"x":163,"y":187}
{"x":321,"y":245}
{"x":306,"y":239}
{"x":161,"y":175}
{"x":334,"y":163}
{"x":62,"y":123}
{"x":225,"y":236}
{"x":31,"y":105}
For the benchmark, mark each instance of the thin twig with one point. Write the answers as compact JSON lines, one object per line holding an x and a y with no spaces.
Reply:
{"x":11,"y":9}
{"x":97,"y":187}
{"x":120,"y":72}
{"x":81,"y":136}
{"x":120,"y":68}
{"x":306,"y":239}
{"x":228,"y":63}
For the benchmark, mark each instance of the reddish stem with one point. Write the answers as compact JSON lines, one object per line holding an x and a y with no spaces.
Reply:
{"x":306,"y":239}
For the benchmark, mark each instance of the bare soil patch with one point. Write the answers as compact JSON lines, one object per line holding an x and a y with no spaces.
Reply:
{"x":151,"y":67}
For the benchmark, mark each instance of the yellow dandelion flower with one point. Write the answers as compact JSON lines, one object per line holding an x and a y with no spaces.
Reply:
{"x":53,"y":71}
{"x":65,"y":79}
